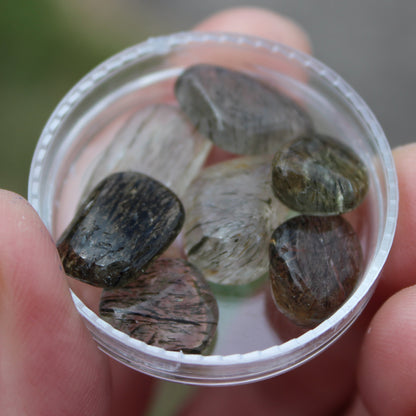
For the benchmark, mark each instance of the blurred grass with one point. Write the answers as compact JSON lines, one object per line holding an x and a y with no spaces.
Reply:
{"x":43,"y":53}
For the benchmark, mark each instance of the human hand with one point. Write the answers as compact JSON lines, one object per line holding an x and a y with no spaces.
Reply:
{"x":49,"y":363}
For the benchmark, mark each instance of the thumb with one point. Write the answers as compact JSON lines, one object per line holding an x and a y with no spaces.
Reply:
{"x":48,"y":360}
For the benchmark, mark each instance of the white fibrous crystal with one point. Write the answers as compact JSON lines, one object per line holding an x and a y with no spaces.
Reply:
{"x":230,"y":215}
{"x":159,"y":142}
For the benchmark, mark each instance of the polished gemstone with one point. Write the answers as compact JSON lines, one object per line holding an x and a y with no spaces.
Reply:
{"x":315,"y":262}
{"x":126,"y":222}
{"x":318,"y":175}
{"x":238,"y":112}
{"x":158,"y":141}
{"x":230,"y":215}
{"x":170,"y":305}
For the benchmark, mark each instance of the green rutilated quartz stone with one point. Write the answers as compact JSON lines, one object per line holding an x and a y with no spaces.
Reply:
{"x":315,"y":262}
{"x":127,"y":220}
{"x":316,"y":174}
{"x":170,"y":305}
{"x":239,"y":113}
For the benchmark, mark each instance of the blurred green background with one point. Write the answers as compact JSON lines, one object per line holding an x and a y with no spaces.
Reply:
{"x":46,"y":47}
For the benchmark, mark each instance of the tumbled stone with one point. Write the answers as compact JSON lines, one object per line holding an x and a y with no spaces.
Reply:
{"x":126,"y":222}
{"x":170,"y":305}
{"x":316,"y":174}
{"x":238,"y":112}
{"x":231,"y":213}
{"x":158,"y":141}
{"x":315,"y":262}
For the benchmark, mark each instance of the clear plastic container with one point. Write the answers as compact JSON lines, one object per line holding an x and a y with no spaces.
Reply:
{"x":250,"y":346}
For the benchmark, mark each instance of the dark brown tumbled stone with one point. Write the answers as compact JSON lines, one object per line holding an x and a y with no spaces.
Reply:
{"x":127,"y":220}
{"x":318,"y":175}
{"x":315,"y":263}
{"x":170,"y":306}
{"x":239,"y":113}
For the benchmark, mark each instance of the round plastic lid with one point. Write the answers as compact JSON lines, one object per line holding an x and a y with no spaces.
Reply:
{"x":115,"y":87}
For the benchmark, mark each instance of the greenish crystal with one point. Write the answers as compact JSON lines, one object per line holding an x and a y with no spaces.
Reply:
{"x":318,"y":175}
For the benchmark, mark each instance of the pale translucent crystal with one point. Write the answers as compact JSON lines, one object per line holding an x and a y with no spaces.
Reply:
{"x":159,"y":142}
{"x":230,"y":215}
